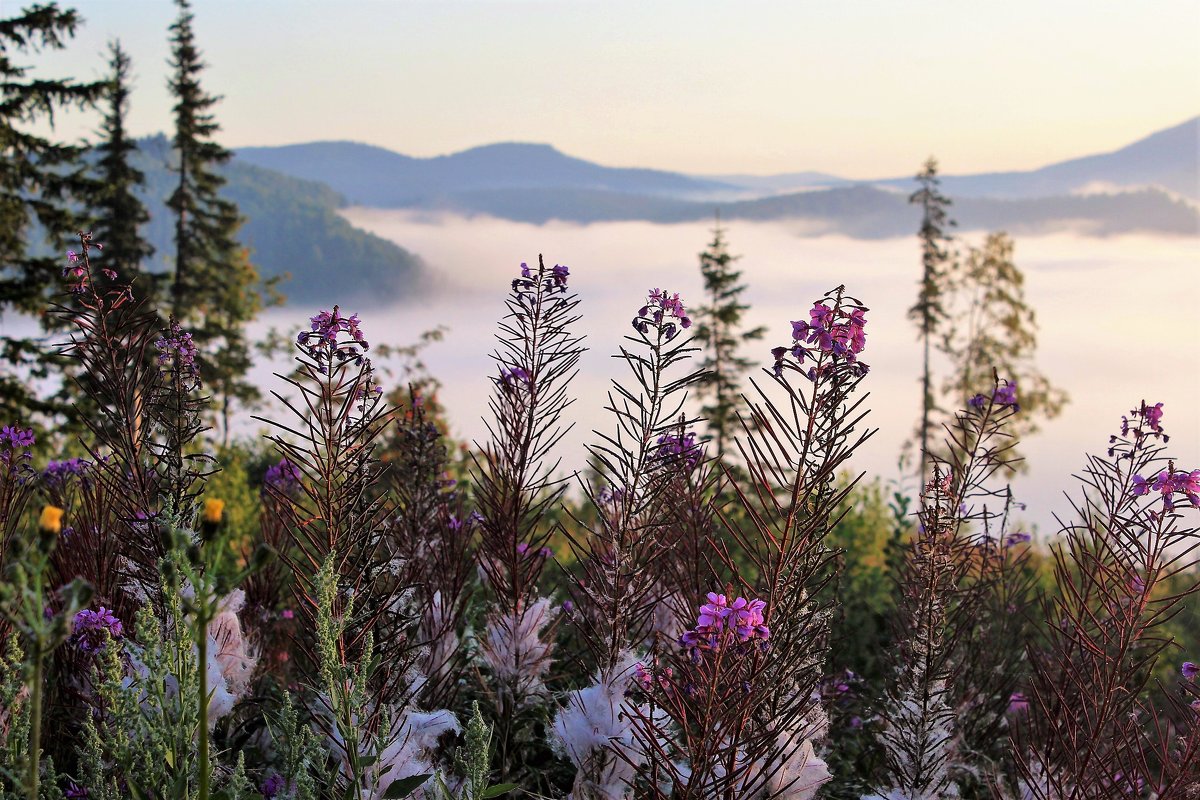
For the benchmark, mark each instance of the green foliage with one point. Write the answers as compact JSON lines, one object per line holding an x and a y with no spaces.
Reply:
{"x":26,"y":595}
{"x":991,"y":326}
{"x":929,"y":312}
{"x":118,"y":209}
{"x":300,"y":757}
{"x":39,"y":181}
{"x":473,"y":760}
{"x":718,"y":327}
{"x":214,"y":287}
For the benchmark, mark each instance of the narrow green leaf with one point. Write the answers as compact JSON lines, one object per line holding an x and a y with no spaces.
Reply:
{"x":404,"y":786}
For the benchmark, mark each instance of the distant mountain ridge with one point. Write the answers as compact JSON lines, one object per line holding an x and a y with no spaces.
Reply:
{"x":537,"y":183}
{"x":291,"y":227}
{"x":373,"y":176}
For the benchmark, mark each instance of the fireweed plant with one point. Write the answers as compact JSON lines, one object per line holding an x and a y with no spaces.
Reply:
{"x":732,"y":709}
{"x":670,"y":636}
{"x":514,"y":486}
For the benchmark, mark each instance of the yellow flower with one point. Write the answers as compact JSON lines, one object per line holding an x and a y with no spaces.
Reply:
{"x":51,"y":519}
{"x":213,"y":509}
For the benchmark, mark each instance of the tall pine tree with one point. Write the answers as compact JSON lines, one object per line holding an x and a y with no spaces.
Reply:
{"x":719,"y":329}
{"x":118,"y":210}
{"x":929,"y":312}
{"x":993,"y":327}
{"x":39,"y":180}
{"x":214,"y":289}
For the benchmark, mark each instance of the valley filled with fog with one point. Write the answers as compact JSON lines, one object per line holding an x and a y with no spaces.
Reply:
{"x":1116,"y":315}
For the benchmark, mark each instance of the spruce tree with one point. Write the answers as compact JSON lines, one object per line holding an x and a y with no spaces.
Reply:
{"x":39,"y":180}
{"x":929,"y":312}
{"x":118,"y":211}
{"x":993,"y":327}
{"x":214,"y":289}
{"x":719,"y":330}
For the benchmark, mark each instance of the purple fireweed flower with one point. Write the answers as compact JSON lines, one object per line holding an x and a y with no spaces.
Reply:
{"x":512,"y":378}
{"x":1137,"y":585}
{"x":1153,"y":416}
{"x":542,"y":280}
{"x":177,"y":351}
{"x":978,"y":401}
{"x":14,"y":437}
{"x":91,"y":626}
{"x":74,"y":790}
{"x":1006,"y":395}
{"x":568,"y":606}
{"x":58,"y":473}
{"x":664,"y":312}
{"x":681,"y":450}
{"x":1189,"y":670}
{"x":287,"y":613}
{"x":856,"y":722}
{"x":560,"y":274}
{"x":837,"y":331}
{"x":284,"y":476}
{"x":722,"y":623}
{"x":1017,"y":537}
{"x":1169,"y":483}
{"x":273,"y":786}
{"x":323,"y":342}
{"x":1017,"y":703}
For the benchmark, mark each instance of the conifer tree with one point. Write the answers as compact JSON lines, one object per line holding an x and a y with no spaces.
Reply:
{"x":39,"y":179}
{"x":214,"y":289}
{"x":118,"y":210}
{"x":993,"y":327}
{"x":929,"y":312}
{"x":719,"y":330}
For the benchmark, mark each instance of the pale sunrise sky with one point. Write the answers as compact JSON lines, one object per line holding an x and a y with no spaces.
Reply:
{"x":859,"y":89}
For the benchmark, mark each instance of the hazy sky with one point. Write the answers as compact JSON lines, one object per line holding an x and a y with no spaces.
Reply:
{"x":861,"y":89}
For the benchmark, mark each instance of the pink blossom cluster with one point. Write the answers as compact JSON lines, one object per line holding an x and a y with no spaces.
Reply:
{"x":321,"y":340}
{"x":721,"y":623}
{"x":664,"y":311}
{"x":1168,"y":483}
{"x":1005,"y":395}
{"x":838,"y":331}
{"x":681,"y":450}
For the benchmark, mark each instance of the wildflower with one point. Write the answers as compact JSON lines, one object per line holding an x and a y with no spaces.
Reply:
{"x":93,"y":629}
{"x":287,"y":613}
{"x":213,"y":509}
{"x":978,"y":401}
{"x":1153,"y":416}
{"x":1169,"y":483}
{"x":1006,"y":395}
{"x":1137,"y":586}
{"x":57,"y":473}
{"x":721,"y":622}
{"x":15,"y":437}
{"x":273,"y":786}
{"x":560,"y":273}
{"x":1017,"y":703}
{"x":51,"y":519}
{"x":74,"y":790}
{"x":1017,"y":537}
{"x":321,"y":343}
{"x":682,"y":450}
{"x":662,"y":311}
{"x":177,"y":350}
{"x":512,"y":377}
{"x":568,"y":606}
{"x":837,"y":330}
{"x":1189,"y":670}
{"x":284,"y":476}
